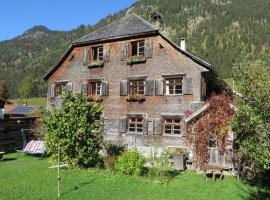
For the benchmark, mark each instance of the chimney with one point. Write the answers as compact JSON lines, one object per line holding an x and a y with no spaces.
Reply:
{"x":157,"y":20}
{"x":183,"y":44}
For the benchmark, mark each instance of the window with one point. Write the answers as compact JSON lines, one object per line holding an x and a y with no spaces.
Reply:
{"x":136,"y":86}
{"x":137,"y":48}
{"x":172,"y":126}
{"x":174,"y":85}
{"x":60,"y":88}
{"x":97,"y":53}
{"x":135,"y":124}
{"x":94,"y":88}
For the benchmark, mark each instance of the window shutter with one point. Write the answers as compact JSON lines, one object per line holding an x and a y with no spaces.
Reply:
{"x":122,"y":125}
{"x":106,"y":53}
{"x":105,"y":88}
{"x":85,"y":56}
{"x":203,"y":88}
{"x":150,"y":87}
{"x":157,"y":128}
{"x":124,"y":50}
{"x":70,"y":87}
{"x":188,"y":85}
{"x":52,"y":91}
{"x":145,"y":126}
{"x":123,"y":88}
{"x":159,"y":87}
{"x":148,"y":49}
{"x":49,"y":92}
{"x":84,"y":88}
{"x":90,"y":56}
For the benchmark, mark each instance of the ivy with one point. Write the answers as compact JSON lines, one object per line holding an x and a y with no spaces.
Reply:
{"x":213,"y":124}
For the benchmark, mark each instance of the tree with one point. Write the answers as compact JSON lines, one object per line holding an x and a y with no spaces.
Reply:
{"x":28,"y":87}
{"x":4,"y":94}
{"x":251,"y":122}
{"x":75,"y":129}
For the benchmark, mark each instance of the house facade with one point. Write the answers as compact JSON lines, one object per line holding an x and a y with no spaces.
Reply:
{"x":145,"y":82}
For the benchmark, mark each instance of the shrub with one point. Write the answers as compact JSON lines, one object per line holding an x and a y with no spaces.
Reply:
{"x":160,"y":167}
{"x":112,"y":151}
{"x":130,"y":162}
{"x":75,"y":130}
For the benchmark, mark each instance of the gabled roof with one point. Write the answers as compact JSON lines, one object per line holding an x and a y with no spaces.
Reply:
{"x":129,"y":25}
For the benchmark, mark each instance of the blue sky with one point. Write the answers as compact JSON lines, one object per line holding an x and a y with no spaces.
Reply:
{"x":19,"y":15}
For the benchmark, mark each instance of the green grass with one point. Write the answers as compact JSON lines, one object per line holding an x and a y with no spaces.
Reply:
{"x":39,"y":102}
{"x":28,"y":177}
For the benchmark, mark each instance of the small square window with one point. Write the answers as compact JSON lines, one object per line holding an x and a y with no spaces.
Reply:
{"x":172,"y":126}
{"x":174,"y":86}
{"x":135,"y":124}
{"x":137,"y":48}
{"x":136,"y":87}
{"x":60,"y":87}
{"x":94,"y":88}
{"x":97,"y":53}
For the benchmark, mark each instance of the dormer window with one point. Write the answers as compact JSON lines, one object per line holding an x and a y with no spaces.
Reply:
{"x":137,"y":48}
{"x":97,"y":53}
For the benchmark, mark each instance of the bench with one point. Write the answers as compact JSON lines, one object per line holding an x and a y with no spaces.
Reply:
{"x":214,"y":170}
{"x":1,"y":155}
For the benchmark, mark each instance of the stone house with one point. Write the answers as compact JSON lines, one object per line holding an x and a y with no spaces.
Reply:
{"x":145,"y":82}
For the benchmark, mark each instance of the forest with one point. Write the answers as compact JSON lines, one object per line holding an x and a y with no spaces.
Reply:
{"x":213,"y":29}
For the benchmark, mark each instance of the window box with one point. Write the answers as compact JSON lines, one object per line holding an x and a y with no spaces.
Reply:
{"x":96,"y":63}
{"x":137,"y":59}
{"x":135,"y":98}
{"x":97,"y":99}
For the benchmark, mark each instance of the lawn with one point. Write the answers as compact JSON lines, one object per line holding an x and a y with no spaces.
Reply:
{"x":39,"y":102}
{"x":26,"y":177}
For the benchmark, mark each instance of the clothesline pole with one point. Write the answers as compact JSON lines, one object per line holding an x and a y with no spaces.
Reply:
{"x":58,"y":173}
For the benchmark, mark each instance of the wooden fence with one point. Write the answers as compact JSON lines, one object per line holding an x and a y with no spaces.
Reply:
{"x":10,"y":133}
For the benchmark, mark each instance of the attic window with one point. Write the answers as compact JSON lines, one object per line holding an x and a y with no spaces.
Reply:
{"x":98,"y":53}
{"x":137,"y":48}
{"x":161,"y":46}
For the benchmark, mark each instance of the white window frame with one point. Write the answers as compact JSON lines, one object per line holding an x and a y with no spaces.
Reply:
{"x":173,"y":126}
{"x":138,"y":124}
{"x":174,"y":85}
{"x":99,"y":53}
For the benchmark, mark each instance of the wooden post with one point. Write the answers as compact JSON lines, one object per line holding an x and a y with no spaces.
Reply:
{"x":58,"y":173}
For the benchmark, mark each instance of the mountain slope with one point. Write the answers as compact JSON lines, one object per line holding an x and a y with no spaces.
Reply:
{"x":213,"y":29}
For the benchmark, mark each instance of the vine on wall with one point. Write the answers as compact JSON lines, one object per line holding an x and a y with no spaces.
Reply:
{"x":214,"y":125}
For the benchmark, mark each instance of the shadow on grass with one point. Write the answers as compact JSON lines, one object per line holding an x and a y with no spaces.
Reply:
{"x":258,"y":190}
{"x":8,"y":159}
{"x":77,"y":187}
{"x":211,"y":176}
